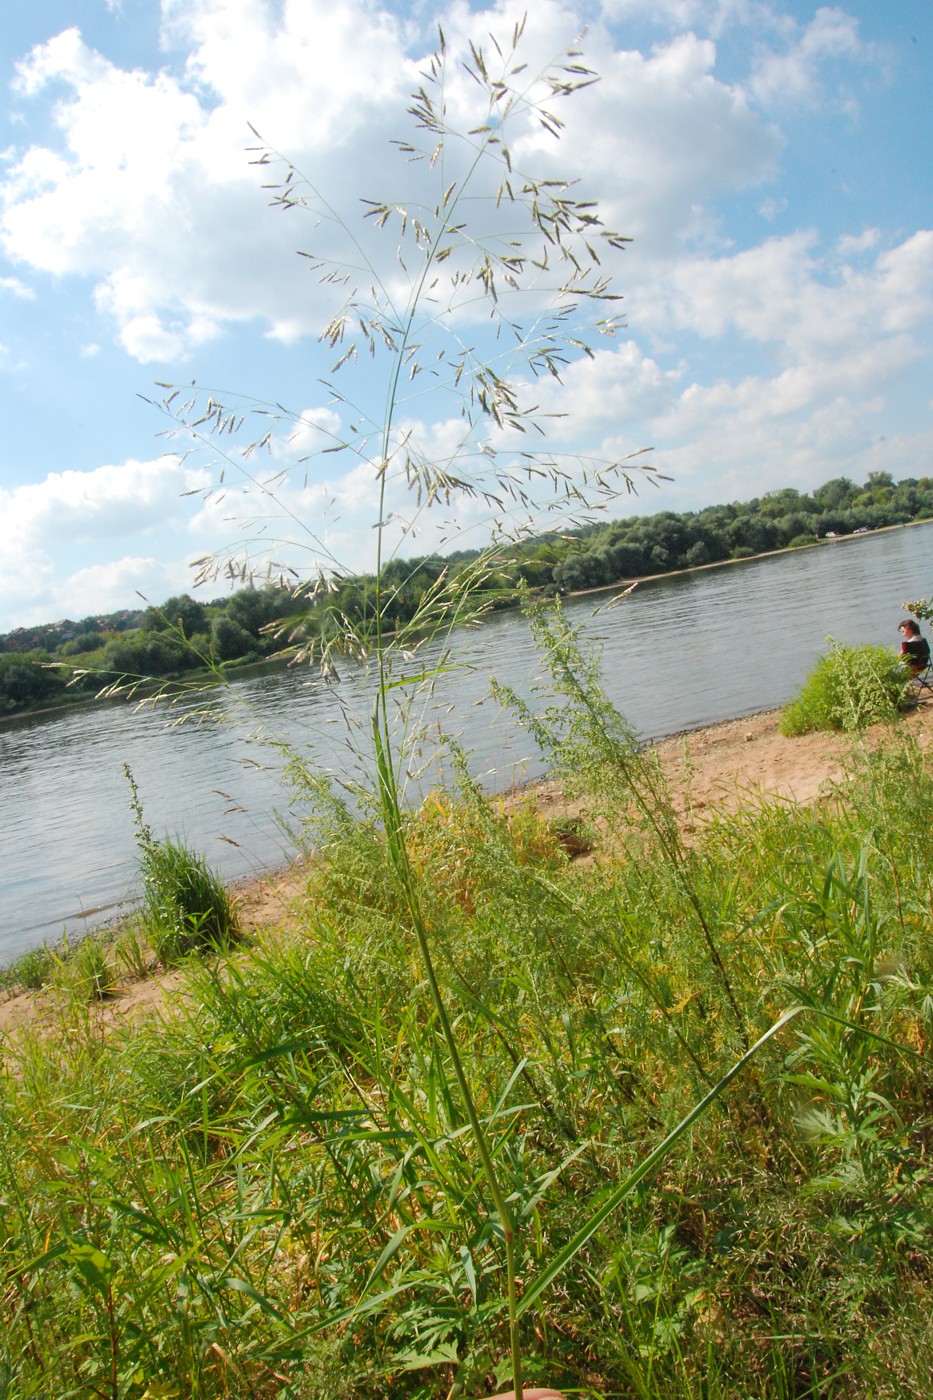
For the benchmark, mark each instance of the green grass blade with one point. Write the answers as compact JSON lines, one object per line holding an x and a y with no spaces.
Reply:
{"x":616,"y":1197}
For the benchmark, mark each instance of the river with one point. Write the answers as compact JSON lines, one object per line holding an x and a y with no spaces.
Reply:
{"x":679,"y":652}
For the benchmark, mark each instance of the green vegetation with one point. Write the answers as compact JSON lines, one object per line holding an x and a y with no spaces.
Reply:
{"x":275,"y":1191}
{"x":186,"y":908}
{"x":439,"y":1134}
{"x":61,"y":662}
{"x":849,"y":689}
{"x":28,"y":971}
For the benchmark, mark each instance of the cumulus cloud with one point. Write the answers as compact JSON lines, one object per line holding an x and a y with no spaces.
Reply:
{"x":791,"y":293}
{"x":711,"y":15}
{"x":661,"y":138}
{"x":149,"y":193}
{"x":89,"y":506}
{"x":128,"y":581}
{"x":79,"y":517}
{"x":822,"y":347}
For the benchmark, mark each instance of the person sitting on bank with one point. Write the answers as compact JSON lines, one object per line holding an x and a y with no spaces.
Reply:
{"x":914,"y":649}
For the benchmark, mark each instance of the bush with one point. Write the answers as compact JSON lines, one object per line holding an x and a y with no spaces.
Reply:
{"x":849,"y":689}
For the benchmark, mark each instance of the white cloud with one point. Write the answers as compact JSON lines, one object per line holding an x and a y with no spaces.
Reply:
{"x":796,"y":75}
{"x":16,"y":288}
{"x":818,"y":348}
{"x":661,"y":138}
{"x":60,"y":536}
{"x":91,"y":507}
{"x":130,"y":581}
{"x":851,"y":244}
{"x":786,"y":292}
{"x":149,"y":192}
{"x":310,"y":431}
{"x":711,"y":15}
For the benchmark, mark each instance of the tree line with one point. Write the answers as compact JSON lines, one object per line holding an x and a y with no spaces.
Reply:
{"x":59,"y":662}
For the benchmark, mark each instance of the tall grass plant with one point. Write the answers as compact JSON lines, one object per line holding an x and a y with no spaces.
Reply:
{"x":186,"y":907}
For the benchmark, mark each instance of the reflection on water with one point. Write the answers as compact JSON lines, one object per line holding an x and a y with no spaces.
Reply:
{"x":677,"y":653}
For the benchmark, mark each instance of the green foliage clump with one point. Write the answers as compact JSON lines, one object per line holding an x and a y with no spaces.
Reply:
{"x":186,"y":908}
{"x":849,"y":689}
{"x":28,"y":971}
{"x":273,"y":1191}
{"x":87,"y":970}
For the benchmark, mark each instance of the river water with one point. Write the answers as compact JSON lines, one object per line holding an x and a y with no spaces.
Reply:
{"x":678,"y":653}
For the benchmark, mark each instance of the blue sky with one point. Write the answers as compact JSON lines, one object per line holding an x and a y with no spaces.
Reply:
{"x":770,"y":160}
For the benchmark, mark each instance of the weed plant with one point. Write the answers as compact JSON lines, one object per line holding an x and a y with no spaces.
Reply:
{"x":536,"y":271}
{"x":28,"y":971}
{"x":849,"y":689}
{"x":87,"y":971}
{"x":186,"y":907}
{"x":88,"y":966}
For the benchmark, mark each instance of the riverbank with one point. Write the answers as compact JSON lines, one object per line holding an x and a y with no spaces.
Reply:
{"x":715,"y":769}
{"x":251,"y":1133}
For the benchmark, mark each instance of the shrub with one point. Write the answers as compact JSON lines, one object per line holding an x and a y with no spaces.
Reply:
{"x":849,"y":689}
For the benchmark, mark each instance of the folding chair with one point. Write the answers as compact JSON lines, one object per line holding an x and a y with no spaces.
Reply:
{"x":923,"y":685}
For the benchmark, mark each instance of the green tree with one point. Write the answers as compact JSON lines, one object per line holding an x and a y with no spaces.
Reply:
{"x":230,"y":641}
{"x":835,"y":494}
{"x":27,"y":681}
{"x":182,"y":614}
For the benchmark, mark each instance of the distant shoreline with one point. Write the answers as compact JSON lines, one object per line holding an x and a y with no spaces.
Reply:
{"x":747,"y":558}
{"x":53,"y":711}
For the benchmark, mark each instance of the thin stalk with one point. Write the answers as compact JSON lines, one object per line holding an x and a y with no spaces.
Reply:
{"x":398,"y":851}
{"x":391,"y":805}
